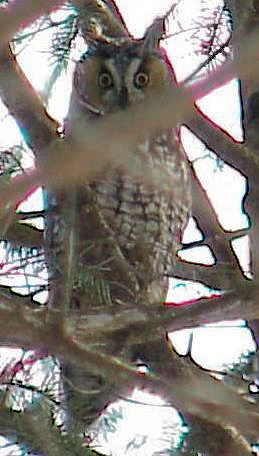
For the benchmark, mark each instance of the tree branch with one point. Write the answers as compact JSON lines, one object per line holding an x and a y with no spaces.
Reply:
{"x":21,"y":13}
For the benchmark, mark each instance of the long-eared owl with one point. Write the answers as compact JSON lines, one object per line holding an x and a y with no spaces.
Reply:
{"x":129,"y":225}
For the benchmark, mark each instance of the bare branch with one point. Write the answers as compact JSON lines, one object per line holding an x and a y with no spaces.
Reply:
{"x":21,"y":13}
{"x":23,"y":234}
{"x":25,"y":105}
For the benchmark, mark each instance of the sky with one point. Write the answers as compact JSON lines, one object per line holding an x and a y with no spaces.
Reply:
{"x":212,"y":347}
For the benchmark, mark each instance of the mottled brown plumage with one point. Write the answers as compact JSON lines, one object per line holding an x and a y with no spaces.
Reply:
{"x":128,"y":221}
{"x":130,"y":224}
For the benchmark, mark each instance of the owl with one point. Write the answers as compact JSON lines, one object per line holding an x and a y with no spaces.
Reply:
{"x":127,"y":227}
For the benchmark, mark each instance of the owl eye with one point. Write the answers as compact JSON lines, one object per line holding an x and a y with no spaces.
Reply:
{"x":105,"y":80}
{"x":141,"y":79}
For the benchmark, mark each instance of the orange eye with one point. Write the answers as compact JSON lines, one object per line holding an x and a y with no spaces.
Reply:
{"x":105,"y":80}
{"x":141,"y":79}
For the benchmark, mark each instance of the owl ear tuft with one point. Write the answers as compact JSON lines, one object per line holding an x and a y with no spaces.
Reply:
{"x":154,"y":34}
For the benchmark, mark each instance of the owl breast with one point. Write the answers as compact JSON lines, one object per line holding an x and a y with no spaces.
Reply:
{"x":134,"y":224}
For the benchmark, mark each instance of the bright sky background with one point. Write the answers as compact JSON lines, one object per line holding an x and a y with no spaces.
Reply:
{"x":212,"y":348}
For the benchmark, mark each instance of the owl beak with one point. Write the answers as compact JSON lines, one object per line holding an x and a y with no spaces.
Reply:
{"x":123,"y":97}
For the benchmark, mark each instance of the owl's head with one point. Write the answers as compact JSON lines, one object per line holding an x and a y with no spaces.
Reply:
{"x":111,"y":77}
